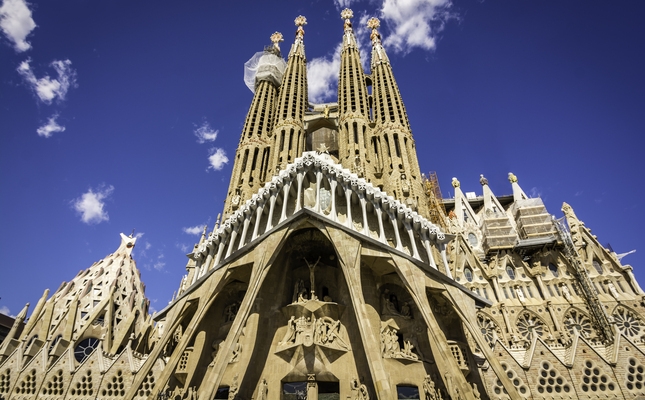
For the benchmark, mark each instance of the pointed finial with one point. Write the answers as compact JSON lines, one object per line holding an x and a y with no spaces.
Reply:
{"x":483,"y":180}
{"x":512,"y":178}
{"x":300,"y":22}
{"x":455,"y":183}
{"x":347,"y":14}
{"x":374,"y":24}
{"x":217,"y":221}
{"x":276,"y":38}
{"x":132,"y":234}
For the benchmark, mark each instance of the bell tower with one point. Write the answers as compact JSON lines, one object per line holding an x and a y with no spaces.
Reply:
{"x":353,"y":107}
{"x":288,"y":132}
{"x":251,"y":168}
{"x":393,"y":143}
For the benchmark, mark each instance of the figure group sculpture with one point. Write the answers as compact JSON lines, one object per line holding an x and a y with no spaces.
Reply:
{"x":323,"y":331}
{"x":391,"y":348}
{"x":390,"y":306}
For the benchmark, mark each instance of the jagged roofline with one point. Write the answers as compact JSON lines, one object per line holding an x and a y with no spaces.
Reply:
{"x":307,"y":213}
{"x":314,"y":161}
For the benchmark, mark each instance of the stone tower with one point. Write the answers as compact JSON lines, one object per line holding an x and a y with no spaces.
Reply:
{"x":251,"y":167}
{"x":288,"y":129}
{"x":325,"y":279}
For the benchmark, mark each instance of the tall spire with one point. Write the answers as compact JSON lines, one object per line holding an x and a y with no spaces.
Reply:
{"x":353,"y":105}
{"x":401,"y":173}
{"x":263,"y":73}
{"x":289,"y":134}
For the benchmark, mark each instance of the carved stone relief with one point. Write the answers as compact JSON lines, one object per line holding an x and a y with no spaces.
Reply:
{"x":391,"y":345}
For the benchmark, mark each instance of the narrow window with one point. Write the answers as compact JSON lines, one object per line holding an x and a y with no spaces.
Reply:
{"x":510,"y":272}
{"x":407,"y":392}
{"x":468,"y":274}
{"x":597,"y":266}
{"x":222,"y":393}
{"x":554,"y":270}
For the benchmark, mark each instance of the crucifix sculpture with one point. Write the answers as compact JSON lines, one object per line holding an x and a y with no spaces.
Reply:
{"x":311,"y":277}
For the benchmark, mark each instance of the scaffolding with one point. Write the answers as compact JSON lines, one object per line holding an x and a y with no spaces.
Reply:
{"x":436,"y":208}
{"x":599,"y":316}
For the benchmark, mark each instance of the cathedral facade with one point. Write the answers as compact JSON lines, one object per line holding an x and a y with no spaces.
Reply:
{"x":338,"y":272}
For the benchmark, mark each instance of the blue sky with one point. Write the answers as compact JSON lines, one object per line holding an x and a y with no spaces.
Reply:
{"x":120,"y":115}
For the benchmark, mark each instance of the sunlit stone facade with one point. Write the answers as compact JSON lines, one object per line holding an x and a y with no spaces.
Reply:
{"x":327,"y":278}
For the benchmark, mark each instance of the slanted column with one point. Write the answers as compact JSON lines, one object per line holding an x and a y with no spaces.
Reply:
{"x":220,"y":251}
{"x":245,"y":228}
{"x":445,"y":261}
{"x":258,"y":218}
{"x":233,"y":236}
{"x":272,"y":199}
{"x":299,"y":177}
{"x":333,"y":213}
{"x":408,"y":228}
{"x":379,"y":216}
{"x":361,"y":197}
{"x":318,"y":179}
{"x":285,"y":200}
{"x":395,"y":227}
{"x":348,"y":200}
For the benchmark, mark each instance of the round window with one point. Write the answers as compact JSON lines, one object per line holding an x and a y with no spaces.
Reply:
{"x":84,"y":348}
{"x":472,"y":239}
{"x":468,"y":274}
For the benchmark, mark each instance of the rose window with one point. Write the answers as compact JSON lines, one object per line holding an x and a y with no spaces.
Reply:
{"x":576,"y":321}
{"x":628,"y":323}
{"x":529,"y":326}
{"x":85,"y":348}
{"x":488,"y":329}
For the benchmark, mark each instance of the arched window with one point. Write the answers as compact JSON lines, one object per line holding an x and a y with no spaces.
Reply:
{"x":472,"y":239}
{"x":468,"y":274}
{"x":554,"y":270}
{"x":597,"y":266}
{"x":510,"y":271}
{"x":85,"y":348}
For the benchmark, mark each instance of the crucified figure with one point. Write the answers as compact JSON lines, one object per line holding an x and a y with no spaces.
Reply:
{"x":311,"y":277}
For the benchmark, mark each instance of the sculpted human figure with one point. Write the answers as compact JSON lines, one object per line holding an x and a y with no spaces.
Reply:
{"x":236,"y":352}
{"x":263,"y":389}
{"x":429,"y":389}
{"x":405,"y":310}
{"x":566,"y":292}
{"x":291,"y":331}
{"x":476,"y":393}
{"x":312,"y":277}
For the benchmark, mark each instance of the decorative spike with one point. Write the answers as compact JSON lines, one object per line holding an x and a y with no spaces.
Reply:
{"x":300,"y":21}
{"x":482,"y":180}
{"x":276,"y":38}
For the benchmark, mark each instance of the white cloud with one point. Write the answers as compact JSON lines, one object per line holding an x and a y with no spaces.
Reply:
{"x":414,"y":23}
{"x":194,"y":230}
{"x":217,"y":158}
{"x":183,"y":247}
{"x":159,"y":264}
{"x":205,"y":133}
{"x":50,"y":127}
{"x":343,"y":3}
{"x":47,"y":89}
{"x":322,"y":77}
{"x":91,"y":205}
{"x":5,"y":310}
{"x":16,"y":23}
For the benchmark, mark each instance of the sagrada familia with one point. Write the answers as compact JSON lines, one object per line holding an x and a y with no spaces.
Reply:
{"x":339,"y":272}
